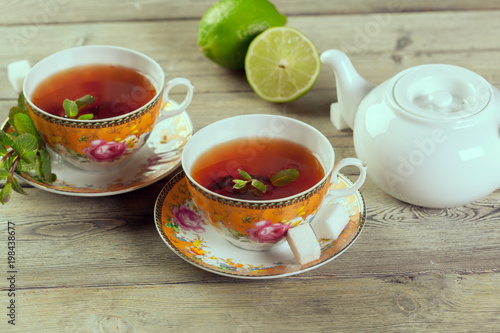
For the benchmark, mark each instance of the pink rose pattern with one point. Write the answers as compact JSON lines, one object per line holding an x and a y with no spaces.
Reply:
{"x":102,"y":151}
{"x":187,"y":219}
{"x":266,"y":232}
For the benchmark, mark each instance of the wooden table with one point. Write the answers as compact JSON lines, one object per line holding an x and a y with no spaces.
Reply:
{"x":97,"y":264}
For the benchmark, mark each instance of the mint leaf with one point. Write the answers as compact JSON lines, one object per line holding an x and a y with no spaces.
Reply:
{"x":281,"y":178}
{"x":4,"y":174}
{"x":6,"y":193}
{"x":71,"y":108}
{"x":24,"y":124}
{"x":87,"y":116}
{"x":16,"y":187}
{"x":21,"y":101}
{"x":20,"y":108}
{"x":244,"y":175}
{"x":23,"y":166}
{"x":6,"y":139}
{"x":22,"y":150}
{"x":259,"y":185}
{"x":45,"y":168}
{"x":239,"y":184}
{"x":26,"y":147}
{"x":284,"y":177}
{"x":84,"y":101}
{"x":7,"y":161}
{"x":13,"y":112}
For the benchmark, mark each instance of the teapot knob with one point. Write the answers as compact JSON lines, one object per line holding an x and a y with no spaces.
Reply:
{"x":440,"y":98}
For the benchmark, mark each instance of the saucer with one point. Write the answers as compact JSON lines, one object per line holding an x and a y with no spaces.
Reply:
{"x":202,"y":246}
{"x":160,"y":156}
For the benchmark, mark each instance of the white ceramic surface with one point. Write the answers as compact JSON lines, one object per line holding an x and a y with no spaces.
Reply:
{"x":155,"y":160}
{"x":255,"y":129}
{"x":430,"y":135}
{"x":183,"y":229}
{"x":103,"y":54}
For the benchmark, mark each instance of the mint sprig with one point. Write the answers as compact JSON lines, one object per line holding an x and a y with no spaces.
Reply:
{"x":281,"y":178}
{"x":22,"y":150}
{"x":71,"y":108}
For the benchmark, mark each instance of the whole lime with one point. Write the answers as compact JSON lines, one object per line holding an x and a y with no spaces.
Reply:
{"x":228,"y":27}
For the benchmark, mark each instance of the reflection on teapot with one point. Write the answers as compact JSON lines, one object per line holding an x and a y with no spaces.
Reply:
{"x":430,"y":135}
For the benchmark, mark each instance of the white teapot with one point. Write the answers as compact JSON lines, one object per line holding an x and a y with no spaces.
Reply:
{"x":430,"y":135}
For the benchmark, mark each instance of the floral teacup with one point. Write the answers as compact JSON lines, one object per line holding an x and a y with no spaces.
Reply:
{"x":262,"y":224}
{"x":101,"y":144}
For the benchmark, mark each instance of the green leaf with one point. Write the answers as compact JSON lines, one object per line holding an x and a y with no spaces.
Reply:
{"x":259,"y":185}
{"x":45,"y":167}
{"x":244,"y":175}
{"x":13,"y":112}
{"x":71,"y":108}
{"x":22,"y":149}
{"x":21,"y":102}
{"x":23,"y":166}
{"x":16,"y":187}
{"x":239,"y":184}
{"x":4,"y":174}
{"x":84,"y":101}
{"x":284,"y":177}
{"x":6,"y":139}
{"x":26,"y":147}
{"x":87,"y":116}
{"x":6,"y":163}
{"x":6,"y":193}
{"x":3,"y":150}
{"x":24,"y":124}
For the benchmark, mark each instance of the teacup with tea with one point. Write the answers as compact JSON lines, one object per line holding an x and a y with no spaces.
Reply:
{"x":253,"y":177}
{"x":95,"y":106}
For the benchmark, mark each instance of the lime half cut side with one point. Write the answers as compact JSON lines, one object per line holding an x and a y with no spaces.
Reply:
{"x":282,"y":64}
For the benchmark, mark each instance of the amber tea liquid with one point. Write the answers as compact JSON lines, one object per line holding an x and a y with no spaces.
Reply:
{"x":118,"y":90}
{"x":216,"y":168}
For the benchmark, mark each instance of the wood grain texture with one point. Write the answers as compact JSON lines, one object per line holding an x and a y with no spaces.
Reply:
{"x":34,"y":12}
{"x":429,"y":303}
{"x":98,"y":264}
{"x":380,"y":46}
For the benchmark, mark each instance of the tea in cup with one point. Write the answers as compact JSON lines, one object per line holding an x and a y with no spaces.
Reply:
{"x":253,"y":177}
{"x":126,"y":90}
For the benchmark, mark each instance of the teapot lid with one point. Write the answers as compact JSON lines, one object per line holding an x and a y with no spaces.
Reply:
{"x":441,"y":92}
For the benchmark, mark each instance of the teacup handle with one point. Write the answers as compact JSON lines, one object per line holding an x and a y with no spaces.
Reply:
{"x":187,"y":100}
{"x":345,"y":192}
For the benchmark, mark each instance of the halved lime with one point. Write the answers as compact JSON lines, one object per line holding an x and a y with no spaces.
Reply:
{"x":282,"y":64}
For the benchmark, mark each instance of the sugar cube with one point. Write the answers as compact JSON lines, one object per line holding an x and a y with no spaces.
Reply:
{"x":330,"y":220}
{"x":16,"y":73}
{"x":337,"y":118}
{"x":303,"y":242}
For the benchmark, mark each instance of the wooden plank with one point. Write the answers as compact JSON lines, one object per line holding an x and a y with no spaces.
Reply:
{"x":95,"y":264}
{"x":396,"y":303}
{"x":405,"y":40}
{"x":35,"y":13}
{"x":84,"y":238}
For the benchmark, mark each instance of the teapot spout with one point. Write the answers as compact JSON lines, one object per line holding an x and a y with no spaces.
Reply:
{"x":351,"y":87}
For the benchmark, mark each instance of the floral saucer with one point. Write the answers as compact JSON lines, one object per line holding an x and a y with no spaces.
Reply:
{"x":160,"y":156}
{"x":202,"y":246}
